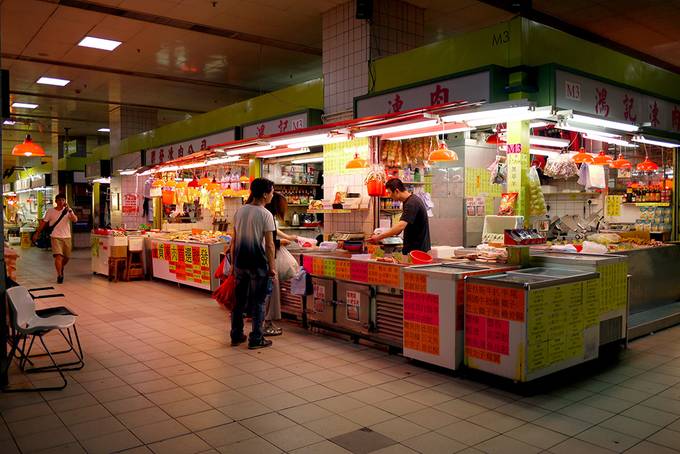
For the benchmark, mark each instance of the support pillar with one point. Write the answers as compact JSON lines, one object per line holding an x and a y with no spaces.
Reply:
{"x":519,"y":163}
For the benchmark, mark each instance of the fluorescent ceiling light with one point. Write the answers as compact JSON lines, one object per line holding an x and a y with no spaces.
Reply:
{"x":127,"y":171}
{"x":276,"y":154}
{"x":213,"y":162}
{"x":585,"y":130}
{"x":24,"y":105}
{"x":500,"y":115}
{"x":102,"y":180}
{"x":538,"y":124}
{"x":595,"y":121}
{"x":249,"y":149}
{"x":549,"y":153}
{"x":548,"y":141}
{"x":298,"y":139}
{"x":104,"y":130}
{"x":99,"y":43}
{"x":430,"y":132}
{"x":9,"y":122}
{"x":396,"y":128}
{"x":660,"y":143}
{"x":168,"y":169}
{"x":611,"y":140}
{"x":326,"y":141}
{"x":307,"y":160}
{"x":194,"y":165}
{"x":53,"y":81}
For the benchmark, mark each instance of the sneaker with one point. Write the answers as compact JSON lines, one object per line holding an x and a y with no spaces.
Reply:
{"x":261,"y":344}
{"x":237,"y":342}
{"x":60,"y":279}
{"x":271,"y":330}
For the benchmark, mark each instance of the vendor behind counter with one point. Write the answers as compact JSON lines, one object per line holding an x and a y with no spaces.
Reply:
{"x":413,"y":222}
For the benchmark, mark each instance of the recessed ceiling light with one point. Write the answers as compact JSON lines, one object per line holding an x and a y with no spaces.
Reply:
{"x":103,"y":130}
{"x":24,"y":105}
{"x":53,"y":81}
{"x":99,"y":43}
{"x":9,"y":122}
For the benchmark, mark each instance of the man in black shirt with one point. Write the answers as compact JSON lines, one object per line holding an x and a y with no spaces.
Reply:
{"x":413,"y":222}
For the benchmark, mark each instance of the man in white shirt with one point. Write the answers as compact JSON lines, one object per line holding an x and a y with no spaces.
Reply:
{"x":59,"y":221}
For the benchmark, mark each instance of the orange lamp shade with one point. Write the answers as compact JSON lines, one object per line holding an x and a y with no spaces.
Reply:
{"x":442,"y":154}
{"x":170,"y":183}
{"x":647,"y":166}
{"x":158,"y":183}
{"x":602,"y":159}
{"x":28,"y":148}
{"x":204,"y":181}
{"x":582,"y":157}
{"x":356,"y":162}
{"x":621,"y":163}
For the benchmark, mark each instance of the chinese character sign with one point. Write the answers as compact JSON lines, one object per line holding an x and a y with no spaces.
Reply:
{"x":395,"y":104}
{"x":130,"y":204}
{"x":628,"y":106}
{"x":601,"y":106}
{"x":440,"y":95}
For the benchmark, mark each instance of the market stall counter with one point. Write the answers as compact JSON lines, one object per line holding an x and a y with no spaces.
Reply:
{"x":187,"y":259}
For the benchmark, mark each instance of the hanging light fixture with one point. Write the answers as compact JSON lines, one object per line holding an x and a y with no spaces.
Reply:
{"x":28,"y":148}
{"x":356,"y":162}
{"x":647,"y":165}
{"x":582,"y":157}
{"x":442,"y":154}
{"x":602,"y":159}
{"x":621,"y":163}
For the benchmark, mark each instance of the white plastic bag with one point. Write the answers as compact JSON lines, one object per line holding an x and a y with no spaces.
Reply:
{"x":298,"y":285}
{"x":286,"y":265}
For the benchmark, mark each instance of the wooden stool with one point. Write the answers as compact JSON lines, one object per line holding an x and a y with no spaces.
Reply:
{"x":117,"y":268}
{"x":135,"y":266}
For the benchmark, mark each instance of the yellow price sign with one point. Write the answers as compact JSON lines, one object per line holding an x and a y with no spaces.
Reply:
{"x":205,"y":257}
{"x":161,"y":251}
{"x":174,"y":254}
{"x":188,"y":257}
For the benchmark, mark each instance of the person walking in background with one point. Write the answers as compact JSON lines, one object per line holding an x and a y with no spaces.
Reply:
{"x":58,"y":222}
{"x":254,"y":263}
{"x":277,"y":207}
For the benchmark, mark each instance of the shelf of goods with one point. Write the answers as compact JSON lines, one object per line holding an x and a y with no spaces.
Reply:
{"x":186,"y":262}
{"x":533,"y":322}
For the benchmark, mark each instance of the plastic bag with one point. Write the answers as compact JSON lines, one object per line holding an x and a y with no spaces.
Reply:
{"x":306,"y":242}
{"x":298,"y":285}
{"x":536,"y":198}
{"x":286,"y":265}
{"x":224,"y":269}
{"x":560,"y":166}
{"x":225,"y":295}
{"x":508,"y":204}
{"x":499,"y":171}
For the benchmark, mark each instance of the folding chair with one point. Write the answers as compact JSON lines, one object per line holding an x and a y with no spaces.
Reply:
{"x":25,"y":322}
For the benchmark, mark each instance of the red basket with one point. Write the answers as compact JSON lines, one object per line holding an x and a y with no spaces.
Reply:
{"x":420,"y":257}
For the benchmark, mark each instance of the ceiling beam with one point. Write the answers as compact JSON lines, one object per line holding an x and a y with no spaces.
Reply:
{"x":103,"y":101}
{"x":125,"y":72}
{"x":187,"y":25}
{"x":524,"y":9}
{"x":19,"y":117}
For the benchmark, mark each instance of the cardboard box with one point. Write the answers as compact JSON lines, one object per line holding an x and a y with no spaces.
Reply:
{"x":119,"y":251}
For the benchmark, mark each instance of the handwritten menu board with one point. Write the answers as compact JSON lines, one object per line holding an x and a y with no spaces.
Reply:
{"x":555,"y":325}
{"x":613,"y":286}
{"x":478,"y":182}
{"x":496,"y":302}
{"x":186,"y":263}
{"x":342,"y":270}
{"x":613,"y":204}
{"x":415,"y":282}
{"x":421,"y":322}
{"x":307,"y":263}
{"x":317,"y":266}
{"x":359,"y":270}
{"x":329,"y":267}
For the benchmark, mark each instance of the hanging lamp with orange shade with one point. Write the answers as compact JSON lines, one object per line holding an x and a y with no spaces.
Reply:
{"x":204,"y":181}
{"x":28,"y":148}
{"x":582,"y":157}
{"x":647,"y":165}
{"x":621,"y":163}
{"x":356,"y":162}
{"x":602,"y":159}
{"x":158,"y":183}
{"x":442,"y":154}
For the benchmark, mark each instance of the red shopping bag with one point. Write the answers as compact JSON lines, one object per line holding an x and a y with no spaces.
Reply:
{"x":225,"y":294}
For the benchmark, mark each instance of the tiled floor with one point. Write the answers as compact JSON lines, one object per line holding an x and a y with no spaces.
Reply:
{"x":161,"y":378}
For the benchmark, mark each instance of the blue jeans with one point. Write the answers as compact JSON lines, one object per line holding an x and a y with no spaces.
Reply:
{"x":251,"y":293}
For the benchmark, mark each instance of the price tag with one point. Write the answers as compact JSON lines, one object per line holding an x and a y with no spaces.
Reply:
{"x":174,"y":255}
{"x":205,"y":257}
{"x":161,"y":251}
{"x":319,"y":292}
{"x":188,"y":256}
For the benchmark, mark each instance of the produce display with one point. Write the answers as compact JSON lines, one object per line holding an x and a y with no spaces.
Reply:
{"x":489,"y":254}
{"x":536,"y":199}
{"x":204,"y":237}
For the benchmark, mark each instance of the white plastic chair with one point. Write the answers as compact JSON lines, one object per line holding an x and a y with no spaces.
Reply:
{"x":26,"y":322}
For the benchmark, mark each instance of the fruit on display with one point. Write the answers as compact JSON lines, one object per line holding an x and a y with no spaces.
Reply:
{"x":536,"y":198}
